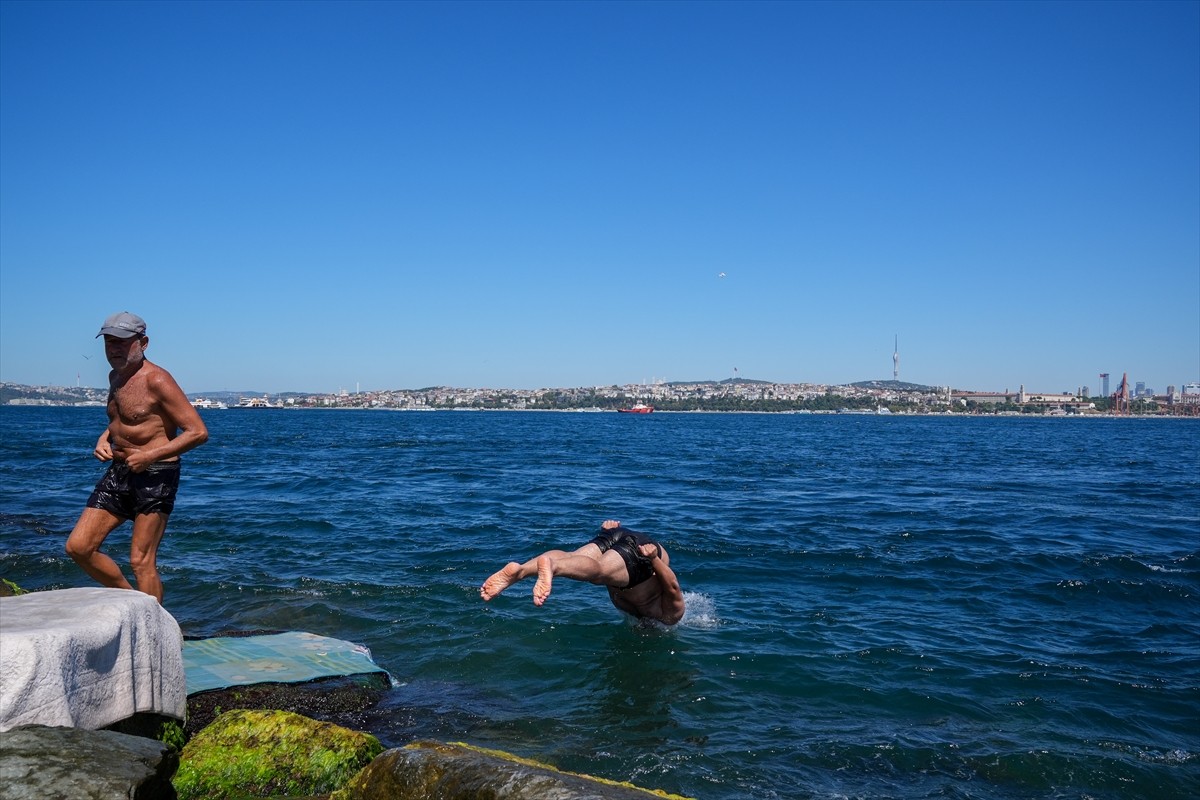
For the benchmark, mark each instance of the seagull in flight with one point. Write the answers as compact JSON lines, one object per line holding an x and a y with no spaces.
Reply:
{"x":720,"y":274}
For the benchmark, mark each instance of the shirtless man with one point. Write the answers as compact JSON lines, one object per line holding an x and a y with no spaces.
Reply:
{"x":150,"y":424}
{"x":634,"y":568}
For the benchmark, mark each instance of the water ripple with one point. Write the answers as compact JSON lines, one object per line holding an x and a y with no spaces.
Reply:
{"x":877,"y":607}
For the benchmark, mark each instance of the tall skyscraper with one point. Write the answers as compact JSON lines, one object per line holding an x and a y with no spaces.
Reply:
{"x":896,"y":360}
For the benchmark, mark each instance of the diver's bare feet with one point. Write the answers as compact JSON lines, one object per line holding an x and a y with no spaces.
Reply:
{"x":506,"y":577}
{"x":541,"y":589}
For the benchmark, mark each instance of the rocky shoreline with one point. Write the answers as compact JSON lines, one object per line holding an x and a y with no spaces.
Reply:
{"x":264,"y":740}
{"x":246,"y":753}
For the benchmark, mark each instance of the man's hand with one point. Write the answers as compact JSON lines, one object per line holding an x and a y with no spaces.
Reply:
{"x":138,"y":460}
{"x":609,"y":524}
{"x":103,"y":450}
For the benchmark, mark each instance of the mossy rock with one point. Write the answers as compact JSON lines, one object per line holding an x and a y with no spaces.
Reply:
{"x":459,"y":771}
{"x":10,"y":589}
{"x":322,"y":697}
{"x":245,"y":754}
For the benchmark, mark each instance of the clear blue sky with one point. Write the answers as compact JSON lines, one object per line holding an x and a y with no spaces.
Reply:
{"x":314,"y":196}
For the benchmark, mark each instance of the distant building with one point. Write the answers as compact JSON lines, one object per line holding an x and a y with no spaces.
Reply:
{"x":1188,"y":402}
{"x":1024,"y":398}
{"x":1044,"y":399}
{"x":992,"y":398}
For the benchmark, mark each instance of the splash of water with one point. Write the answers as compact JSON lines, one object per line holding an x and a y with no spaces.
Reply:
{"x":700,"y":611}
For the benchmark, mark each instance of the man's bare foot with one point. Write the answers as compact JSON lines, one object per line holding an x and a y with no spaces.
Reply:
{"x":541,"y":589}
{"x":506,"y":577}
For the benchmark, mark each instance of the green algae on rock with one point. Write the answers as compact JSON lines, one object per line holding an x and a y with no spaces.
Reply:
{"x":458,"y":771}
{"x":270,"y":754}
{"x":10,"y":589}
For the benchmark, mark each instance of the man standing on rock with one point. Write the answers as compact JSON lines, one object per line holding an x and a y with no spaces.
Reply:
{"x":151,"y":423}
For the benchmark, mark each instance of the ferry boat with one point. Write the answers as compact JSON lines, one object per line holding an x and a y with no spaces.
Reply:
{"x":254,"y":402}
{"x":636,"y":408}
{"x":204,"y":402}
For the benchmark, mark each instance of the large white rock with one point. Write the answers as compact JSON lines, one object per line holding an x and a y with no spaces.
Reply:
{"x":86,"y":658}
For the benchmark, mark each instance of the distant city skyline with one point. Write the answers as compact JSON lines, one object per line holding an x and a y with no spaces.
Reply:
{"x":1096,"y":385}
{"x":311,"y":196}
{"x":1100,"y":388}
{"x":731,"y":395}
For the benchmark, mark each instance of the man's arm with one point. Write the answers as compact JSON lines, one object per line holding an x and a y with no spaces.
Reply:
{"x":672,"y":595}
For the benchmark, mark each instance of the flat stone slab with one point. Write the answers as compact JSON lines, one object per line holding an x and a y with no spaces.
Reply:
{"x":42,"y":763}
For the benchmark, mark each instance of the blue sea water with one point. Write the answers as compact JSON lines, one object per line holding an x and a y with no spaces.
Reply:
{"x":905,"y":607}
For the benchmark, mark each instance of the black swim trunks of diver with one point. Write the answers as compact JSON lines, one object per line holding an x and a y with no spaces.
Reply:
{"x":126,"y":493}
{"x":626,"y":542}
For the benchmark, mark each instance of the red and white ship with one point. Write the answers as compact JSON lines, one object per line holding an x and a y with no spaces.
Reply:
{"x":636,"y":408}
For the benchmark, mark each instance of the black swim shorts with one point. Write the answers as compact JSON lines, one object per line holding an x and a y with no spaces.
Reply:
{"x":627,"y":543}
{"x":127,"y":494}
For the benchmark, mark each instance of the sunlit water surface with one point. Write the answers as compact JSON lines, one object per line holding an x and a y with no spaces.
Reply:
{"x":878,"y":606}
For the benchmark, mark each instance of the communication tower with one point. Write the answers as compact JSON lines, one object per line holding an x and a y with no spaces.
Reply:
{"x":896,"y":360}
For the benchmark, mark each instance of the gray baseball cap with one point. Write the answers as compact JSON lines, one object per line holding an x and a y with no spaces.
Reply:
{"x":123,"y":325}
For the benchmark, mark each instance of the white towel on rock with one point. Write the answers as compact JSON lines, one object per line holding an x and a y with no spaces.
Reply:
{"x":86,"y":658}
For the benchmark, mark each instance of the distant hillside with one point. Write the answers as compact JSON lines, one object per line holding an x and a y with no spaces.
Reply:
{"x":53,"y":395}
{"x":719,"y":383}
{"x":897,"y":386}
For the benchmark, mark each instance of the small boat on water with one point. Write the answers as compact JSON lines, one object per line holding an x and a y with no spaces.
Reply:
{"x":636,"y":408}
